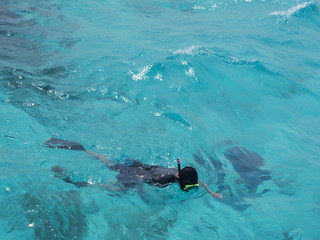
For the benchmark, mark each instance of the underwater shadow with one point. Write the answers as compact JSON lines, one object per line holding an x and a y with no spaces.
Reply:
{"x":239,"y":177}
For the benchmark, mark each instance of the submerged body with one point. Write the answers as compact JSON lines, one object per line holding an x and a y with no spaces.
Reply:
{"x":153,"y":175}
{"x":132,"y":173}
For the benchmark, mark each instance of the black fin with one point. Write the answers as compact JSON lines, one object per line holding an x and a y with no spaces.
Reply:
{"x":64,"y":144}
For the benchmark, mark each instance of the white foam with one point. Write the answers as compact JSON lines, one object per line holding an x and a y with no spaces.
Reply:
{"x":292,"y":11}
{"x":188,"y":51}
{"x":198,"y":7}
{"x":190,"y":72}
{"x":141,"y":75}
{"x":159,"y":77}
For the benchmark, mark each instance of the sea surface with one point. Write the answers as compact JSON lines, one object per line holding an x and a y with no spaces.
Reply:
{"x":232,"y":87}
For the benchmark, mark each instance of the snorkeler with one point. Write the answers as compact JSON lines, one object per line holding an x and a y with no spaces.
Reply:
{"x":133,"y":172}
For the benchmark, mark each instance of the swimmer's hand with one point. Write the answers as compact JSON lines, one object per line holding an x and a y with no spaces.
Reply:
{"x":215,"y":195}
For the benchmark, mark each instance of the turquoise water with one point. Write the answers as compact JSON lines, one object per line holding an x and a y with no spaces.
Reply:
{"x":156,"y":80}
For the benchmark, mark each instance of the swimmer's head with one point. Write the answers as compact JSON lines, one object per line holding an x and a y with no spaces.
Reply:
{"x":188,"y":178}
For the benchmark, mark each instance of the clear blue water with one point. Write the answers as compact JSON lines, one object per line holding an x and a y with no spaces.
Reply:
{"x":156,"y":80}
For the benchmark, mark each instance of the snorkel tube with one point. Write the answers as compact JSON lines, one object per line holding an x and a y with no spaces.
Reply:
{"x":180,"y":178}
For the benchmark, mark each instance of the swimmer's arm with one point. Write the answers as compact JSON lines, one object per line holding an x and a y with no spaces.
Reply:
{"x":215,"y":195}
{"x":101,"y":157}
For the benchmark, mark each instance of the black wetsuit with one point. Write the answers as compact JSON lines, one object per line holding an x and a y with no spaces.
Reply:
{"x":132,"y":173}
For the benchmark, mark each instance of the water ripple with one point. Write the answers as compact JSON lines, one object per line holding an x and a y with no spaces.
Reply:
{"x":298,"y":10}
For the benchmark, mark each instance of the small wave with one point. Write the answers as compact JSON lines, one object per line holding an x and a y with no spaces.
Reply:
{"x":141,"y":74}
{"x":193,"y":50}
{"x":278,"y":84}
{"x":55,"y":72}
{"x":198,"y":6}
{"x":189,"y":70}
{"x":176,"y":118}
{"x":103,"y":92}
{"x":296,"y":10}
{"x":50,"y":90}
{"x":154,"y":71}
{"x":21,"y":80}
{"x":197,"y":50}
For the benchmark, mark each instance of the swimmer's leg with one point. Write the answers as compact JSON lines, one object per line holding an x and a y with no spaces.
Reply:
{"x":60,"y":173}
{"x":66,"y":144}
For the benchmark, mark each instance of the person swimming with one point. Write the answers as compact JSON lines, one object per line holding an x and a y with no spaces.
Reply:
{"x":132,"y":173}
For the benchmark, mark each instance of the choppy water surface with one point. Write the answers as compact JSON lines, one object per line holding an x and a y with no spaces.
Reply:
{"x":231,"y":87}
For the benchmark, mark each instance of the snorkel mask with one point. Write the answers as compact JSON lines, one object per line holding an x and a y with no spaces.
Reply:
{"x":183,"y":184}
